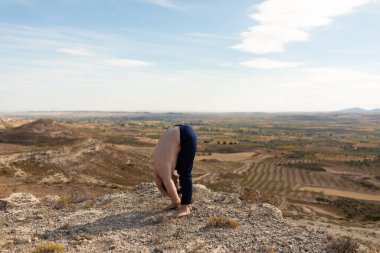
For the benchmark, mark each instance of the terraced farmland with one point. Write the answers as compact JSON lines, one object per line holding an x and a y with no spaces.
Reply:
{"x":274,"y":174}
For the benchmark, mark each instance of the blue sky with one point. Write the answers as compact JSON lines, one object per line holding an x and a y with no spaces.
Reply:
{"x":173,"y":55}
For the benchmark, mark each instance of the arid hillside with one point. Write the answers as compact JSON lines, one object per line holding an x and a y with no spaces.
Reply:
{"x":40,"y":132}
{"x":48,"y":157}
{"x":132,"y":222}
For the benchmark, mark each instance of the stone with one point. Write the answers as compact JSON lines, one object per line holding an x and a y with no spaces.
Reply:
{"x":362,"y":249}
{"x":3,"y":205}
{"x":22,"y":240}
{"x":307,"y":210}
{"x":199,"y":187}
{"x":266,"y":210}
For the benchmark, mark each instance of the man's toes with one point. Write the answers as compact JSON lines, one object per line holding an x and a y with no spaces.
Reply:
{"x":182,"y":213}
{"x":170,"y":207}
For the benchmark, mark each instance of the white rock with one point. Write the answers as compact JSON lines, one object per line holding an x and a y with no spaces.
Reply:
{"x":307,"y":210}
{"x":266,"y":210}
{"x":199,"y":187}
{"x":362,"y":249}
{"x":50,"y":198}
{"x":20,"y":199}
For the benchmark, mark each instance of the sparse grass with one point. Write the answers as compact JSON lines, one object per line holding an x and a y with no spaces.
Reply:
{"x":222,"y":221}
{"x":77,"y":196}
{"x":343,"y":244}
{"x":48,"y":247}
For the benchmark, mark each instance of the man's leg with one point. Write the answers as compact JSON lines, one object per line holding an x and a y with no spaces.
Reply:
{"x":186,"y":158}
{"x":186,"y":182}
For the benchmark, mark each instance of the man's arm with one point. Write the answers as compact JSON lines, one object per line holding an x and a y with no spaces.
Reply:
{"x":171,"y":190}
{"x":160,"y":184}
{"x":175,"y":178}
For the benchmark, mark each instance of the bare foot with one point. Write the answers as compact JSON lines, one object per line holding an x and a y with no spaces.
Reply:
{"x":184,"y":210}
{"x":172,"y":206}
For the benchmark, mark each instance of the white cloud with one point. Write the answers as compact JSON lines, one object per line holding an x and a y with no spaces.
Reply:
{"x":284,"y":21}
{"x":340,"y":78}
{"x":84,"y":52}
{"x":263,"y":63}
{"x":126,"y":63}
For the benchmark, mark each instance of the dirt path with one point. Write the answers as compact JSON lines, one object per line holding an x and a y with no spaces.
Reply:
{"x":341,"y":193}
{"x":228,"y":156}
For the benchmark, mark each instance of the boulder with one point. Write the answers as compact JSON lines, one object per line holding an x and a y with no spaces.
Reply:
{"x":266,"y":210}
{"x":20,"y":199}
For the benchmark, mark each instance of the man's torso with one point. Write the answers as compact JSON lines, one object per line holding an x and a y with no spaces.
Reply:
{"x":166,"y":151}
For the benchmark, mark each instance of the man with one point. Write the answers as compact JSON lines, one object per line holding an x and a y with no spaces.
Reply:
{"x":176,"y":151}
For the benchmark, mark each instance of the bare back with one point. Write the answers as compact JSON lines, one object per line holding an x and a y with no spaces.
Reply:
{"x":166,"y":152}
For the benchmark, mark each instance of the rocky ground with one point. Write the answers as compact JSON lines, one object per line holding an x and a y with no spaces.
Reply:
{"x":133,"y":222}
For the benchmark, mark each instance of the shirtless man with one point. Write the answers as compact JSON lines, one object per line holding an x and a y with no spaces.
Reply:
{"x":176,"y":151}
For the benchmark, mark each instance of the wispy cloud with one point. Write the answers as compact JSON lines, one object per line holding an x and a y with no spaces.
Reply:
{"x":126,"y":63}
{"x":84,"y":52}
{"x":262,"y":63}
{"x":210,"y":36}
{"x":162,"y":3}
{"x":284,"y":21}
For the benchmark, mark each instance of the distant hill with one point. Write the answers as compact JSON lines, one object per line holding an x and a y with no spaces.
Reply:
{"x":357,"y":110}
{"x":40,"y":132}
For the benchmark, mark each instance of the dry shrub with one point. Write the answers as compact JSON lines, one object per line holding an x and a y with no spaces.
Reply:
{"x":222,"y":221}
{"x":48,"y":247}
{"x":75,"y":196}
{"x":341,"y":244}
{"x":62,"y":202}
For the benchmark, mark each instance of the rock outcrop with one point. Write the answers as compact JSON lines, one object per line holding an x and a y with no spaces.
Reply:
{"x":132,"y":222}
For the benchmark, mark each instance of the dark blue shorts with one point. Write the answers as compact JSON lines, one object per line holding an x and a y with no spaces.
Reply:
{"x":185,"y":162}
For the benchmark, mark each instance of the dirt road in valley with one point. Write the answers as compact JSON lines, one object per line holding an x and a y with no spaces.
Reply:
{"x":341,"y":193}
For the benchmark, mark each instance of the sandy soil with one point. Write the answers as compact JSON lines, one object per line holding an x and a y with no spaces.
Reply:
{"x":13,"y":148}
{"x":366,"y":234}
